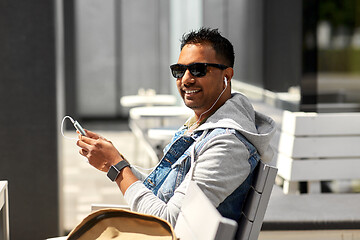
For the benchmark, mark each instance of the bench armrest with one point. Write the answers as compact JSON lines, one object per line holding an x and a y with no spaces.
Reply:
{"x":95,"y":207}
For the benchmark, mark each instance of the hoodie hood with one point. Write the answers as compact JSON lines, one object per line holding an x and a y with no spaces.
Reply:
{"x":237,"y":113}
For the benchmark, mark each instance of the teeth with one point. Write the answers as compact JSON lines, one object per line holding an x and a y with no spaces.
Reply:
{"x":192,"y":91}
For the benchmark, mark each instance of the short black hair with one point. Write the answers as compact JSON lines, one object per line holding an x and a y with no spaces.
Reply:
{"x":222,"y":46}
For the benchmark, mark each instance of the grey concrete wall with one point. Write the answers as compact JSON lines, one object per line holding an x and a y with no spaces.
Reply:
{"x":28,"y":121}
{"x":266,"y":36}
{"x":282,"y":44}
{"x":241,"y":22}
{"x":144,"y":46}
{"x":185,"y":15}
{"x":216,"y":15}
{"x":120,"y":46}
{"x":95,"y":59}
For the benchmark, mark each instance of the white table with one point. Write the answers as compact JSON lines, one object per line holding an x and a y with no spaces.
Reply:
{"x":144,"y":118}
{"x":147,"y":100}
{"x":162,"y":134}
{"x":160,"y":112}
{"x":4,"y":211}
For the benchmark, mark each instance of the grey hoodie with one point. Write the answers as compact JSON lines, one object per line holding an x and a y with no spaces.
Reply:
{"x":220,"y":166}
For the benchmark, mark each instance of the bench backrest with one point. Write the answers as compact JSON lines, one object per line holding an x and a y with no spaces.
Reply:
{"x":256,"y":202}
{"x":199,"y":219}
{"x":315,"y":147}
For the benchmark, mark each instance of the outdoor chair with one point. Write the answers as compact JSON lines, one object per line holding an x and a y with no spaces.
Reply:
{"x":199,"y":219}
{"x":257,"y":201}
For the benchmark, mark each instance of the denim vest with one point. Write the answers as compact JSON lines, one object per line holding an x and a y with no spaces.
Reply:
{"x":173,"y":167}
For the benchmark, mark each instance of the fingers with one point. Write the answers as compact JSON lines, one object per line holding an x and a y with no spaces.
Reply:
{"x":100,"y":152}
{"x":100,"y":164}
{"x":83,"y":152}
{"x":91,"y":134}
{"x":91,"y":142}
{"x":84,"y":143}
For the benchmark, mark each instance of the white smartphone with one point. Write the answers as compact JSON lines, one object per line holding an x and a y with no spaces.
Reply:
{"x":79,"y":128}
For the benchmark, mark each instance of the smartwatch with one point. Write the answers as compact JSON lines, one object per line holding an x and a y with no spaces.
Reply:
{"x":115,"y":170}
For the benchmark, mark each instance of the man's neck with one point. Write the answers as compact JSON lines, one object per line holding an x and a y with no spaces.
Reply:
{"x":201,"y":115}
{"x":193,"y":124}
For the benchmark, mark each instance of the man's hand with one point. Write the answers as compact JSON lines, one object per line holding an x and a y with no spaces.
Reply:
{"x":100,"y":152}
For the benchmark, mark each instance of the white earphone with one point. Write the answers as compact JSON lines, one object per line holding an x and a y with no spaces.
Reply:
{"x":225,"y":80}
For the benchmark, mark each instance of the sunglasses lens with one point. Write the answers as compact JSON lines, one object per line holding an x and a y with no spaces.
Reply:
{"x":178,"y":70}
{"x":198,"y":69}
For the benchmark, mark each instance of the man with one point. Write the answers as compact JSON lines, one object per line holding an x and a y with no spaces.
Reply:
{"x":218,"y":147}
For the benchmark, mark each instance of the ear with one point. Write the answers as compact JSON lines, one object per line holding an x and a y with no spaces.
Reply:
{"x":229,"y":73}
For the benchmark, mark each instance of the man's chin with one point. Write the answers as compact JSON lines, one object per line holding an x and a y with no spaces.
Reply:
{"x":191,"y":105}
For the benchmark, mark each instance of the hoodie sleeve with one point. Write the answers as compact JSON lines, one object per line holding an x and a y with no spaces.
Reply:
{"x":143,"y":200}
{"x":220,"y":168}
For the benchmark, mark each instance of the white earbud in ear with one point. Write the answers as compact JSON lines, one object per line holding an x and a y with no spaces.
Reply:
{"x":225,"y":81}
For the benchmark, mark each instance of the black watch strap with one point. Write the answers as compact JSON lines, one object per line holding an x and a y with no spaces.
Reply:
{"x":115,"y":170}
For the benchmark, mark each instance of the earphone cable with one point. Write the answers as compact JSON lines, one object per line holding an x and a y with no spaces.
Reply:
{"x":62,"y":127}
{"x":197,"y":122}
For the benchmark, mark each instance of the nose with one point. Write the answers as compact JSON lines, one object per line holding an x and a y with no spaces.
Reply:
{"x":187,"y":78}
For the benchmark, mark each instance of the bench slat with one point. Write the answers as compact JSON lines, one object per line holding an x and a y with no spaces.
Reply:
{"x":252,"y":202}
{"x":318,"y":169}
{"x":320,"y":124}
{"x":256,"y":203}
{"x":246,"y":226}
{"x":316,"y":147}
{"x":260,"y":177}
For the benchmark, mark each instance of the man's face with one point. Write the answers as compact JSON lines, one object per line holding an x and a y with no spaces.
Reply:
{"x":200,"y":93}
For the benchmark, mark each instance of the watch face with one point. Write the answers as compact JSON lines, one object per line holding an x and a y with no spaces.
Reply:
{"x":112,"y":173}
{"x":115,"y":170}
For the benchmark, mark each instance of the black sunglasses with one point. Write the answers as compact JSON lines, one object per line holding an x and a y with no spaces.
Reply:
{"x":196,"y":69}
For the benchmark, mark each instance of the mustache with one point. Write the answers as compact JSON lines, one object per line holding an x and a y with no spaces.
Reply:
{"x":187,"y":86}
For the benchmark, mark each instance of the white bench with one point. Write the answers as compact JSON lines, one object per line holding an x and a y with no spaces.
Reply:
{"x":4,"y":211}
{"x":199,"y":219}
{"x":315,"y":147}
{"x":257,"y":202}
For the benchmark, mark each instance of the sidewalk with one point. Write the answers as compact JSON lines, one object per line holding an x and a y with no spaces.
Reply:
{"x":84,"y":185}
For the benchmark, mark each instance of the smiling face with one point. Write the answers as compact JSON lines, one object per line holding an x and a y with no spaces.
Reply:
{"x":200,"y":93}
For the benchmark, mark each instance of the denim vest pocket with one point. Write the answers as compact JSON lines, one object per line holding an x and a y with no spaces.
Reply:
{"x":176,"y":176}
{"x":164,"y":179}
